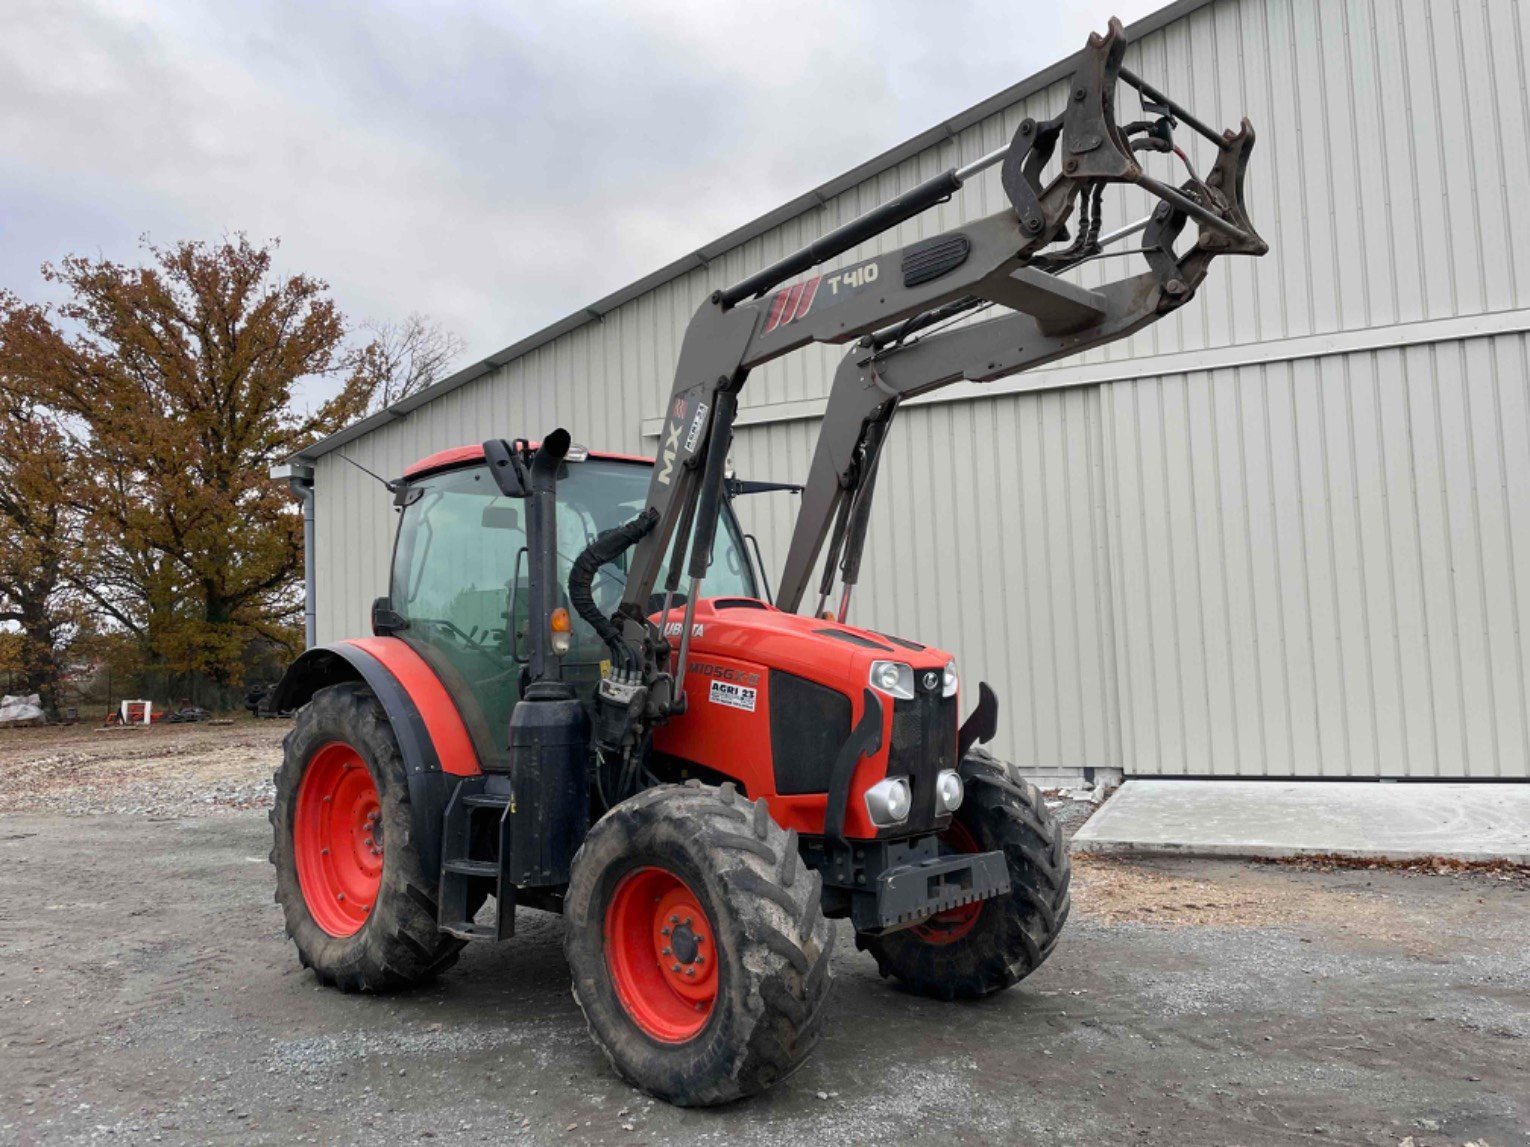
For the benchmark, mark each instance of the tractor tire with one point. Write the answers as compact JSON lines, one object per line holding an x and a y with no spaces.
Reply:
{"x":703,"y":880}
{"x":357,"y":902}
{"x":982,"y":948}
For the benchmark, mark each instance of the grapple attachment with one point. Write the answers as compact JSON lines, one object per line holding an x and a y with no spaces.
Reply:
{"x":1096,"y":151}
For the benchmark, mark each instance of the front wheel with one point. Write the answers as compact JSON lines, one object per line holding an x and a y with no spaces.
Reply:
{"x":982,"y":948}
{"x":699,"y":952}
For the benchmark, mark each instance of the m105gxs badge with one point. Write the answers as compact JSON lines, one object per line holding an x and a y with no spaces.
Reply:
{"x":723,"y":672}
{"x":732,"y":696}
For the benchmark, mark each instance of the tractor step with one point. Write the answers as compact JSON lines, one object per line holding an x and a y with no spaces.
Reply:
{"x":486,"y":800}
{"x":472,"y":867}
{"x":475,"y":840}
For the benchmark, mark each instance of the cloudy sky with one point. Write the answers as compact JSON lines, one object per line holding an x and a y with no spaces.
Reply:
{"x":494,"y":165}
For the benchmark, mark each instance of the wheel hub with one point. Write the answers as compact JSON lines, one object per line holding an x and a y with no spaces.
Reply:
{"x":373,"y":839}
{"x":660,"y":950}
{"x":337,"y":838}
{"x":686,"y":943}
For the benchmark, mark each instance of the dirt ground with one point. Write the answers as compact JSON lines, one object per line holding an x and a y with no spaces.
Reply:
{"x":147,"y":994}
{"x":158,"y":770}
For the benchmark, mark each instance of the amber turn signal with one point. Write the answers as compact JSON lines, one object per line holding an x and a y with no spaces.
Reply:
{"x":562,"y":631}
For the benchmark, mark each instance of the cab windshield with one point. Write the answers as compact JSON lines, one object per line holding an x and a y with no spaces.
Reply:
{"x":461,"y":573}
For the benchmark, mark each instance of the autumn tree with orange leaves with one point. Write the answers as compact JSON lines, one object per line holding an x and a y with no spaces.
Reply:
{"x":171,"y":386}
{"x":39,"y":533}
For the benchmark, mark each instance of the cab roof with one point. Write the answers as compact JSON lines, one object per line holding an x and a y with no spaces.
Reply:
{"x":468,"y":455}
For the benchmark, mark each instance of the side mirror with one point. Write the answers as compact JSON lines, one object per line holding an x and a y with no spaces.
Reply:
{"x":505,"y":465}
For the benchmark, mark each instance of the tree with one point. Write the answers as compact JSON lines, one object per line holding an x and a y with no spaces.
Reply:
{"x":39,"y":529}
{"x":409,"y":356}
{"x":175,"y":383}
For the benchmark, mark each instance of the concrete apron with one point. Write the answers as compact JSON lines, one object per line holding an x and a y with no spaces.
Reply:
{"x":1355,"y":819}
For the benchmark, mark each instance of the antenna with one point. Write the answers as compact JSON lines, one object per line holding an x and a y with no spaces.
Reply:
{"x":391,"y":487}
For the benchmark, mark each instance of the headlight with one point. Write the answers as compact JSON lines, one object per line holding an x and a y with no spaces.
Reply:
{"x":893,"y":678}
{"x":949,"y":790}
{"x":949,"y":680}
{"x":888,"y":802}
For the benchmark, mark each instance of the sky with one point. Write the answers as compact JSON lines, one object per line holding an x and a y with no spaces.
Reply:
{"x":495,"y":166}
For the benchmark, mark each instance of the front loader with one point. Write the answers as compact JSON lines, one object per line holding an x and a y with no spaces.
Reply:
{"x":700,"y":778}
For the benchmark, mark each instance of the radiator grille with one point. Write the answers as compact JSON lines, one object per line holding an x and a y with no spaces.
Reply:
{"x":923,"y":743}
{"x":808,"y":724}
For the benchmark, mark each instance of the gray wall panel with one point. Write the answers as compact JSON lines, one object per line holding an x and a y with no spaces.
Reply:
{"x":1321,"y":565}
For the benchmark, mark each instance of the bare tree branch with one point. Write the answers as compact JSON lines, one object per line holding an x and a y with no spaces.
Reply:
{"x":408,"y":356}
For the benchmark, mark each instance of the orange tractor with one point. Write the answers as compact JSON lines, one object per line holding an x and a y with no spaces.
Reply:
{"x":696,"y":775}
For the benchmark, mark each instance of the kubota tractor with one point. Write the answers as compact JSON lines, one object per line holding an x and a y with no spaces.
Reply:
{"x":700,"y":781}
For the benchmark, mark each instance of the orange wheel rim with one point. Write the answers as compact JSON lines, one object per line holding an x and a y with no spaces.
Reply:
{"x":953,"y":924}
{"x":337,"y":839}
{"x":661,"y":951}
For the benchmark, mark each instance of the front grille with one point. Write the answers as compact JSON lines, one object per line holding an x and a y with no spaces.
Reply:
{"x":808,"y":725}
{"x":923,"y":744}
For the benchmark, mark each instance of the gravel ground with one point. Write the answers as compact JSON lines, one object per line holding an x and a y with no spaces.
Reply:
{"x":158,"y":770}
{"x":147,"y":994}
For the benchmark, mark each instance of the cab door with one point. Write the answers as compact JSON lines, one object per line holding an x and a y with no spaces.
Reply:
{"x":459,"y":582}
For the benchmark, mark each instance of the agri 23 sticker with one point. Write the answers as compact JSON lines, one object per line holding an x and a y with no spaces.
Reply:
{"x":732,"y":696}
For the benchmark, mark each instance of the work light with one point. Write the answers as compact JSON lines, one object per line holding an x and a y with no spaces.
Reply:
{"x":888,"y":802}
{"x":949,"y":790}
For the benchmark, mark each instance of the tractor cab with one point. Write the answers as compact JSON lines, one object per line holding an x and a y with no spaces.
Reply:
{"x":460,"y":590}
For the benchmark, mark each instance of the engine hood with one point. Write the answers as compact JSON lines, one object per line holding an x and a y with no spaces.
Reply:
{"x":807,"y":646}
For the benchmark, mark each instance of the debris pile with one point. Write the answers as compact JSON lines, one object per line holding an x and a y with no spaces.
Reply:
{"x":15,"y":710}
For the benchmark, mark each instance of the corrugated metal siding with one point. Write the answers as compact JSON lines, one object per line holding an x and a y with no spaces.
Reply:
{"x":1290,"y":567}
{"x":1314,"y":565}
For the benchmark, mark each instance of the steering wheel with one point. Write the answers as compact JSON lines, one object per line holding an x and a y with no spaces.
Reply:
{"x":453,"y":628}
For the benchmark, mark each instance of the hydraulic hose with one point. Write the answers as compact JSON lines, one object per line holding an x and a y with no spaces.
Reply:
{"x":607,"y":547}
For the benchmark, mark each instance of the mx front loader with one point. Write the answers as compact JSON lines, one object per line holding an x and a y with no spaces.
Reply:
{"x":697,"y":777}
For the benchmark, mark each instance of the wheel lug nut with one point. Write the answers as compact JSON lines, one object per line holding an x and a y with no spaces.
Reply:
{"x":672,"y":919}
{"x":690,"y":971}
{"x":663,"y":931}
{"x":665,"y":952}
{"x":675,"y":968}
{"x":687,"y":921}
{"x":701,"y":959}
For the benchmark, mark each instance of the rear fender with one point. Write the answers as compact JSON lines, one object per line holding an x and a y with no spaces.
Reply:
{"x":432,"y":739}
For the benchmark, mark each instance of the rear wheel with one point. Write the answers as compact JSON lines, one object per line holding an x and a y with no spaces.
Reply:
{"x":982,"y":948}
{"x":699,"y":954}
{"x":357,"y":902}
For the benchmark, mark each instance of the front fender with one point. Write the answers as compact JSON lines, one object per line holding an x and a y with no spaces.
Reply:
{"x":432,"y":738}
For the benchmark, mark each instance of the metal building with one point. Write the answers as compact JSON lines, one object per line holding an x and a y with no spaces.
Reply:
{"x":1285,"y":532}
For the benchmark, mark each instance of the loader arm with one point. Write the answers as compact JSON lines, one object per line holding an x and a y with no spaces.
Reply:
{"x":898,"y":306}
